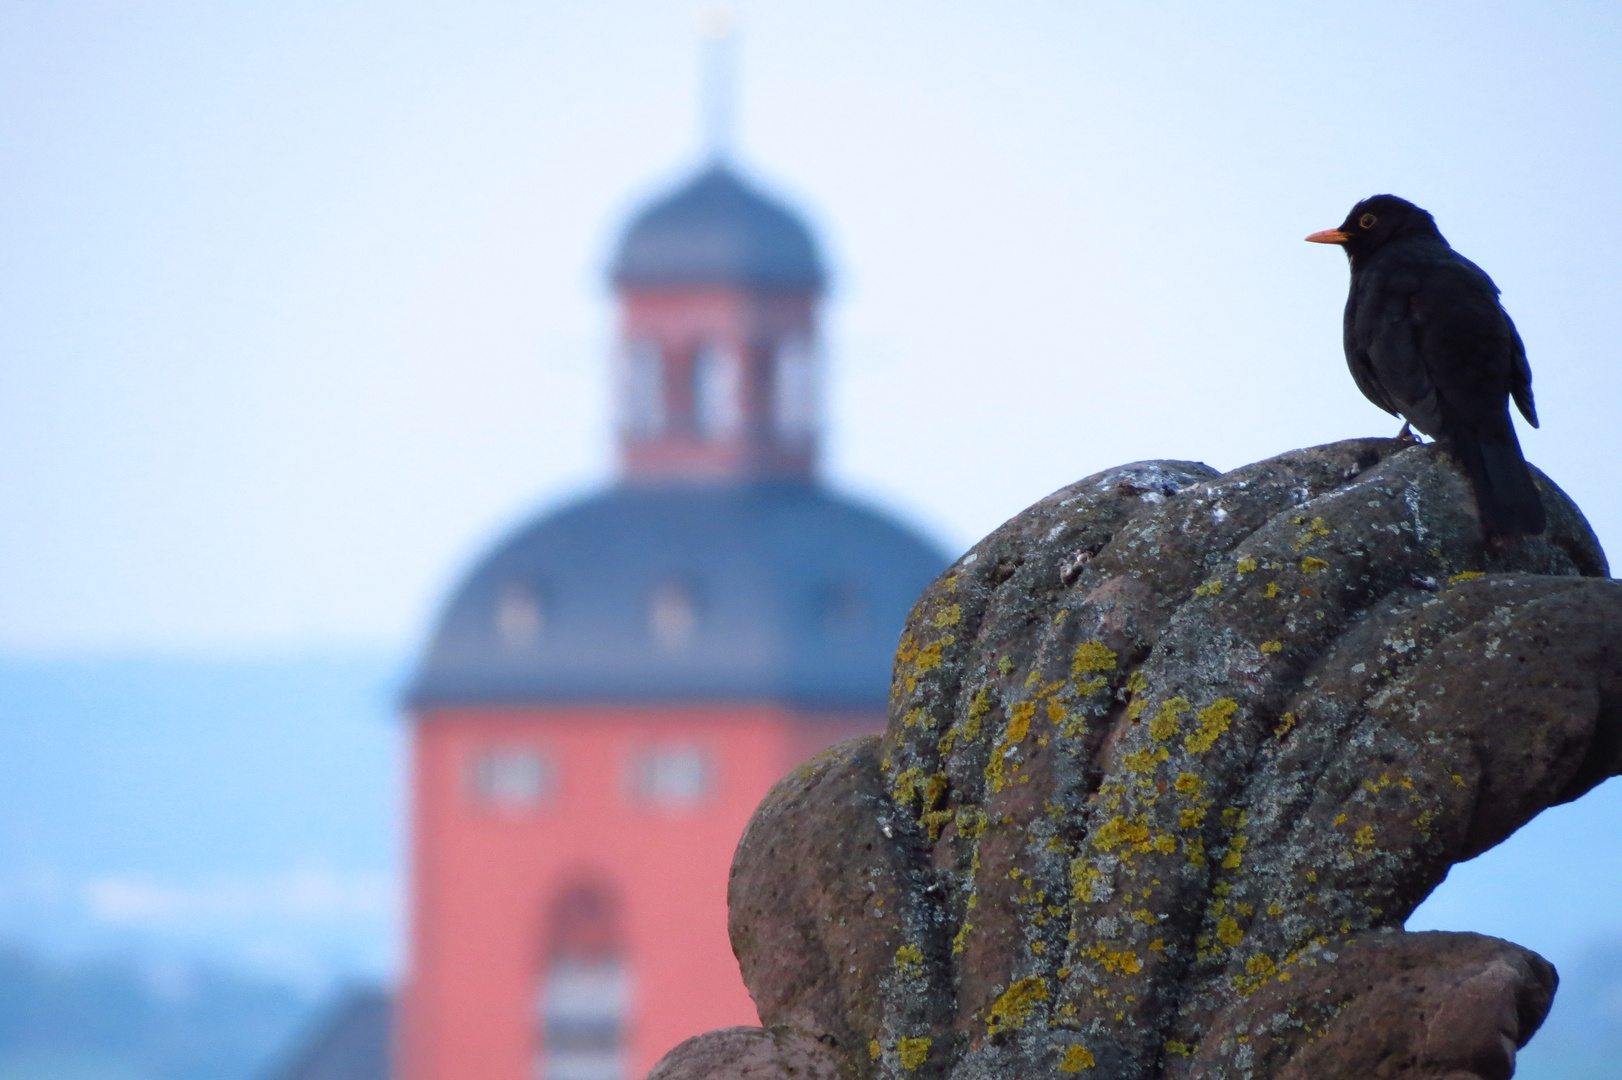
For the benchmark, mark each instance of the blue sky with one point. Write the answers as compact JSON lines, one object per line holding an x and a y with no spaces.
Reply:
{"x":301,"y":303}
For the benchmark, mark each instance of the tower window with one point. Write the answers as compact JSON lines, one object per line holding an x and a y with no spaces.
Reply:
{"x":671,"y":776}
{"x":584,"y":1000}
{"x":795,"y":393}
{"x":511,"y":778}
{"x":717,"y":383}
{"x":642,"y":388}
{"x":672,"y":615}
{"x":520,"y":613}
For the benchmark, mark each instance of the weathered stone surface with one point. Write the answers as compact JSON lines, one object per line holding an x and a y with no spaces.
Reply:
{"x":1171,"y":757}
{"x":745,"y":1053}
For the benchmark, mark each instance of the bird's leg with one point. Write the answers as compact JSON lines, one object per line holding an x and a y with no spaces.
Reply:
{"x":1406,"y":435}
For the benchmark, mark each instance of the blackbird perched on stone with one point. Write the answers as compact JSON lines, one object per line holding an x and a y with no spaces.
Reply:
{"x":1427,"y":339}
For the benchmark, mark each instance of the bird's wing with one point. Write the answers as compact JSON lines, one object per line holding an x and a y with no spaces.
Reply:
{"x":1520,"y":386}
{"x":1472,"y":354}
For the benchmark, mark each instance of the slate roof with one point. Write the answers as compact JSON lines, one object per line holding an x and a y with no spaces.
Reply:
{"x":351,"y":1041}
{"x":797,"y":595}
{"x":718,"y":230}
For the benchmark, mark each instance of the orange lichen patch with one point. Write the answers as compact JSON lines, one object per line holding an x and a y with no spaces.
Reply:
{"x":913,"y":1052}
{"x":1076,"y":1058}
{"x":929,"y":658}
{"x":1214,"y":720}
{"x":1013,"y":1008}
{"x":1019,"y":723}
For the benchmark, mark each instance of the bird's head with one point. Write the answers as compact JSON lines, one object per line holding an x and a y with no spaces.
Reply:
{"x":1376,"y":220}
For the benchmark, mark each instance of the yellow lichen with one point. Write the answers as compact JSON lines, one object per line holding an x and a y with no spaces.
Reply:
{"x":874,"y":1049}
{"x":1316,"y":529}
{"x":950,"y":615}
{"x":1019,"y":723}
{"x":1363,"y":839}
{"x":1214,"y":720}
{"x":1166,"y":844}
{"x":1144,"y":760}
{"x":1194,"y":848}
{"x":1076,"y":1058}
{"x":913,"y":1052}
{"x":930,"y":658}
{"x":1261,"y":964}
{"x":1005,"y":665}
{"x":1117,"y":831}
{"x":1285,"y":723}
{"x":1191,"y":818}
{"x":1177,"y":1046}
{"x":1246,"y":565}
{"x":1188,"y":783}
{"x":1272,"y":590}
{"x":935,"y":821}
{"x":1312,"y":564}
{"x":1137,"y":682}
{"x":910,"y":960}
{"x":1228,"y":931}
{"x":1013,"y":1008}
{"x":1210,"y":588}
{"x":1468,"y":575}
{"x":1270,"y":647}
{"x":961,"y":937}
{"x":1274,"y":909}
{"x":1091,"y":656}
{"x":1082,"y":879}
{"x":1165,"y":725}
{"x":906,"y":785}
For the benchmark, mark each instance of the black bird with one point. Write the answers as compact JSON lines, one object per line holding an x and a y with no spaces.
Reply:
{"x":1427,"y":339}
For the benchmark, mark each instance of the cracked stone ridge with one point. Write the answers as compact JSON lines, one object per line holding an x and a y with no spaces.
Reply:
{"x":1170,"y":758}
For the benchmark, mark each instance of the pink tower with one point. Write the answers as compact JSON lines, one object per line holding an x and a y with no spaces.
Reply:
{"x":612,"y":689}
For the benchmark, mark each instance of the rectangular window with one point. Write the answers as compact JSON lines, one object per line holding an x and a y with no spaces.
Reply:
{"x":511,"y":778}
{"x":671,"y":776}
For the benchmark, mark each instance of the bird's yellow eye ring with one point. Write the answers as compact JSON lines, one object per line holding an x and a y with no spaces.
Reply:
{"x":1367,"y":221}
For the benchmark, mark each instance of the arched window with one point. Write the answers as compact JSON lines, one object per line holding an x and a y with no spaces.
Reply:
{"x":642,"y":388}
{"x":717,"y":388}
{"x":584,"y":1001}
{"x":795,"y":393}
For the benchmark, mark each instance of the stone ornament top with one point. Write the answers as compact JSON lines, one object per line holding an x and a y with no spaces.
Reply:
{"x":1171,"y":757}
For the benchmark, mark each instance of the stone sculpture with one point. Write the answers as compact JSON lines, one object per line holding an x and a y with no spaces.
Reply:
{"x":1171,"y":756}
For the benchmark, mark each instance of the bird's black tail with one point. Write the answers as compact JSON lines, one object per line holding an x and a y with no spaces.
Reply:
{"x":1506,"y":495}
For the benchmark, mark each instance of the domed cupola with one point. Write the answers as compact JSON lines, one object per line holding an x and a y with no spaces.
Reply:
{"x":718,"y":569}
{"x":717,"y":230}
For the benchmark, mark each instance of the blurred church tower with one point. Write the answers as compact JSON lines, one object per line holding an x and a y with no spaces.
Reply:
{"x":610,"y":691}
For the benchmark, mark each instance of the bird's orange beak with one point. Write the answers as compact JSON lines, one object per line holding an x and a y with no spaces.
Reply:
{"x":1328,"y":236}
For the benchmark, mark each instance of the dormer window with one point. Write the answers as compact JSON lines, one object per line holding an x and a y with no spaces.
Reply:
{"x":642,"y":388}
{"x":717,"y":388}
{"x":520,"y":615}
{"x":672,"y":615}
{"x":795,"y":393}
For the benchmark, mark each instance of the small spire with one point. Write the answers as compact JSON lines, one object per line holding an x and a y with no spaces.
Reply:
{"x":719,"y":23}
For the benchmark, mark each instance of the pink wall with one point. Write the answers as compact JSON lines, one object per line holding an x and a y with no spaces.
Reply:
{"x":483,"y":878}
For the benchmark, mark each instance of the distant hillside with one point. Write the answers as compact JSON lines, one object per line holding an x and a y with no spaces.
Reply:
{"x":245,"y":810}
{"x":115,"y":1020}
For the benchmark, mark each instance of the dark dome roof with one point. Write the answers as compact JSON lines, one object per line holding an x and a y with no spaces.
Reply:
{"x":771,"y":591}
{"x":717,"y":230}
